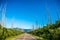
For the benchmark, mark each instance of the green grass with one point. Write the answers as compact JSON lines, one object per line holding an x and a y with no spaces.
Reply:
{"x":38,"y":38}
{"x":12,"y":37}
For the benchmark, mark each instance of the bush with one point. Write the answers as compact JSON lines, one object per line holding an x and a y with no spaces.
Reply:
{"x":49,"y":32}
{"x":5,"y":32}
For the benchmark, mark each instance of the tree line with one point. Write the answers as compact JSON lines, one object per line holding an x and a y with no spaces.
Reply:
{"x":48,"y":32}
{"x":8,"y":32}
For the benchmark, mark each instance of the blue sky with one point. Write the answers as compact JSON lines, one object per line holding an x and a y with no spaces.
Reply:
{"x":24,"y":13}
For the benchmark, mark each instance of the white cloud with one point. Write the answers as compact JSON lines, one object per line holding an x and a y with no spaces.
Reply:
{"x":19,"y":24}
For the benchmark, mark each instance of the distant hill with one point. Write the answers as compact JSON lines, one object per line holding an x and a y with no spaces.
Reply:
{"x":25,"y":30}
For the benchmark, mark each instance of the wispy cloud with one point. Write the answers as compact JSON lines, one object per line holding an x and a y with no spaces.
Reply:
{"x":18,"y":23}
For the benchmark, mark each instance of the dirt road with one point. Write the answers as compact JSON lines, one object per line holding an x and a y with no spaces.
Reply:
{"x":25,"y":37}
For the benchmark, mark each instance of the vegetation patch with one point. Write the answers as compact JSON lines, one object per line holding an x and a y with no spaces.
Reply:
{"x":48,"y":32}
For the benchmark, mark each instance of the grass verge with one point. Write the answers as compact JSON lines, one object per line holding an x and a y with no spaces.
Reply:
{"x":12,"y":37}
